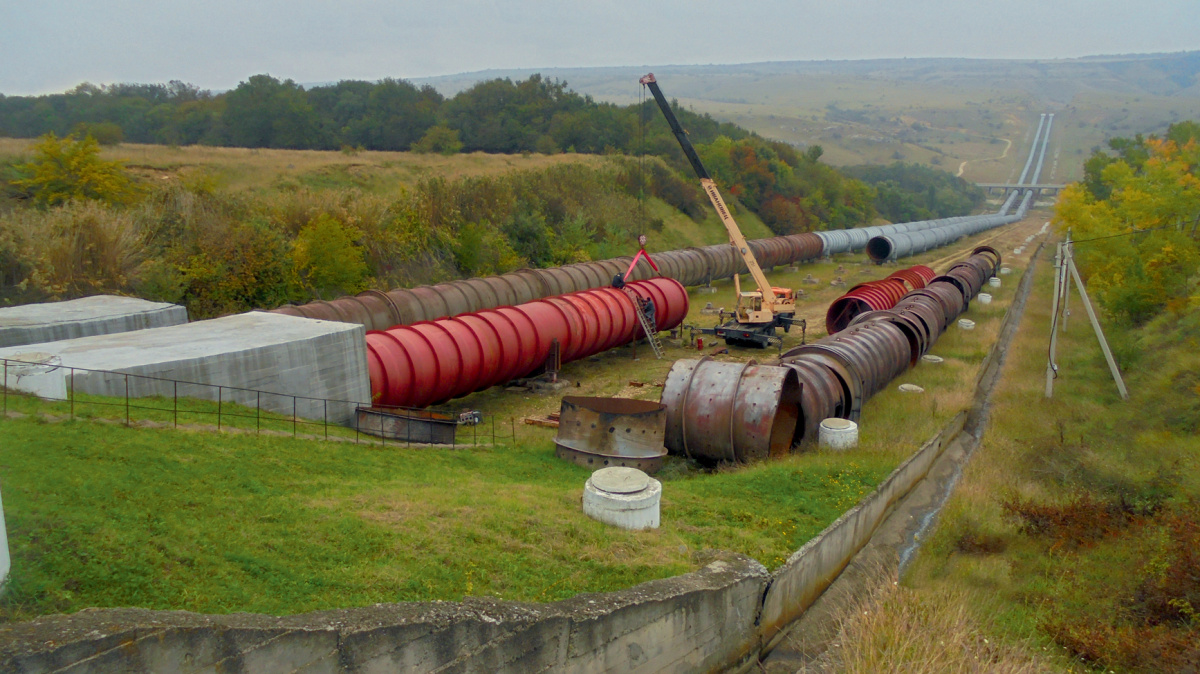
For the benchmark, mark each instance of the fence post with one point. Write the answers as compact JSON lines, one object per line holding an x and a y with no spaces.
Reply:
{"x":258,"y":412}
{"x":293,"y":416}
{"x":327,"y":418}
{"x":5,"y":388}
{"x":220,"y":390}
{"x":175,"y":397}
{"x":127,"y":400}
{"x":5,"y":561}
{"x":72,"y":394}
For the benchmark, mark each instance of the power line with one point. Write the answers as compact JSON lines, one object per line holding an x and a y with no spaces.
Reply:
{"x":1180,"y":225}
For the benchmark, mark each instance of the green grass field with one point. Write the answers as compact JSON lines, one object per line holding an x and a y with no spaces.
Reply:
{"x":101,"y":515}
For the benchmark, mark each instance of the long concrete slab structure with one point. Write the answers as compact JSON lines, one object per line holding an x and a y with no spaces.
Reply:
{"x":258,"y":351}
{"x":96,"y":315}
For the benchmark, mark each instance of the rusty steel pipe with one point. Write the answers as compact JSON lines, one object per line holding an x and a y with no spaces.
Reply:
{"x":599,"y":432}
{"x":730,"y":412}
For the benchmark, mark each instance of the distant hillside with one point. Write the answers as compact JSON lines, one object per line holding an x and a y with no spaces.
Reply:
{"x":1052,"y":81}
{"x":972,"y":117}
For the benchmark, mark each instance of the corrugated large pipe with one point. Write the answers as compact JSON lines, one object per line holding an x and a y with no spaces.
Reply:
{"x":734,"y":412}
{"x":740,"y":412}
{"x":379,"y":310}
{"x":430,"y":362}
{"x":875,"y":296}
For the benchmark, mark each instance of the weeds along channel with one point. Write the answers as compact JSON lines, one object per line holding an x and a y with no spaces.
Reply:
{"x":1073,"y":531}
{"x":101,"y":515}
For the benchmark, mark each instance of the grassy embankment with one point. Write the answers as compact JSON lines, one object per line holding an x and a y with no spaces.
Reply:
{"x":1071,"y":540}
{"x":102,"y":515}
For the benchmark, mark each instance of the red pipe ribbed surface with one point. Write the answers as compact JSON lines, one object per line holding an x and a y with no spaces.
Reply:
{"x":430,"y":362}
{"x":875,"y":296}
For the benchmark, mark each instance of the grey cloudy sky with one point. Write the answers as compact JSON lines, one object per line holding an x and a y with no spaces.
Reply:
{"x":52,"y":45}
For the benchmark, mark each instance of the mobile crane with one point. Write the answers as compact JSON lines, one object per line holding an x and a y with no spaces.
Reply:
{"x":758,"y":312}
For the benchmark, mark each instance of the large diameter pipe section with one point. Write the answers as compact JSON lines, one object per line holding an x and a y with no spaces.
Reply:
{"x":875,"y":296}
{"x":730,"y":412}
{"x":881,"y":344}
{"x":431,"y":362}
{"x":897,"y":245}
{"x":379,"y":310}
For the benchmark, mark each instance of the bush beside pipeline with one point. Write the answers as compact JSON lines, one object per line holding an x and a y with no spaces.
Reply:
{"x":431,"y":362}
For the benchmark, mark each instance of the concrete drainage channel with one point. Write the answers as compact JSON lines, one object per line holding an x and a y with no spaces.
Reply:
{"x":725,"y":616}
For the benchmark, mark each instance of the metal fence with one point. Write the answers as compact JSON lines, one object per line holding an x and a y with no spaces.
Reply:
{"x":234,"y":406}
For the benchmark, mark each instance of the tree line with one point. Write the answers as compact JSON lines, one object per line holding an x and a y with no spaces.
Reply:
{"x":532,"y":115}
{"x":791,"y":190}
{"x":1136,"y":215}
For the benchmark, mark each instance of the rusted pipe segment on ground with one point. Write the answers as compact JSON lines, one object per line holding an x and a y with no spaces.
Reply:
{"x":914,"y":329}
{"x":430,"y":362}
{"x":880,"y":344}
{"x":734,"y":412}
{"x":599,"y":432}
{"x":822,"y":396}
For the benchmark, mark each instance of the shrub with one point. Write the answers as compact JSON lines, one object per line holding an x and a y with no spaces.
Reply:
{"x":66,"y":168}
{"x":327,"y":258}
{"x":439,"y":139}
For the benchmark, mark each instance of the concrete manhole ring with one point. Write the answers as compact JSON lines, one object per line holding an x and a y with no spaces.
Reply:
{"x":620,"y":480}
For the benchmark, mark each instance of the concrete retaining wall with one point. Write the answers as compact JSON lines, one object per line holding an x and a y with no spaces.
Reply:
{"x":696,"y":622}
{"x":97,"y":315}
{"x":284,"y":355}
{"x":812,"y":568}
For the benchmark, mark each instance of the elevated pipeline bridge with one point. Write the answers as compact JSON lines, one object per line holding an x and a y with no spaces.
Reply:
{"x":1038,"y":190}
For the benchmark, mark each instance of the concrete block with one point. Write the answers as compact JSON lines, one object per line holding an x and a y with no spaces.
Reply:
{"x":283,"y":355}
{"x":96,"y":315}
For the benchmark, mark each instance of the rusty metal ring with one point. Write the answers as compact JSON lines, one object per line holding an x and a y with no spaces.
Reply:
{"x":683,"y":405}
{"x":733,"y":404}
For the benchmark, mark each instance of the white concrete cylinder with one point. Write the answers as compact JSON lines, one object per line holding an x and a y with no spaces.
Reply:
{"x":623,"y":497}
{"x":1005,"y":271}
{"x":966,"y":324}
{"x":994,"y":281}
{"x":930,"y":358}
{"x":984,"y":298}
{"x":911,"y":388}
{"x":838,"y":434}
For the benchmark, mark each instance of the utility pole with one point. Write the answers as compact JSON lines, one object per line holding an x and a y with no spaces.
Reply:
{"x":1051,"y":367}
{"x":1087,"y":305}
{"x":1066,"y":288}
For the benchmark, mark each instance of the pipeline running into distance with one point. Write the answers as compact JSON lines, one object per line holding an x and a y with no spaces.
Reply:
{"x":739,"y":412}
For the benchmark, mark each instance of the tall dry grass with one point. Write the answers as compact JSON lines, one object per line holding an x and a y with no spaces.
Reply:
{"x":78,"y":249}
{"x":897,"y":629}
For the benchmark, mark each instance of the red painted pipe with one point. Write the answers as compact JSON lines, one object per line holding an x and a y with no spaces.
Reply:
{"x":430,"y":362}
{"x":875,"y":296}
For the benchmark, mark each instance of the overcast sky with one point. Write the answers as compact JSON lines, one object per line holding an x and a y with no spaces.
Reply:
{"x":52,"y":45}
